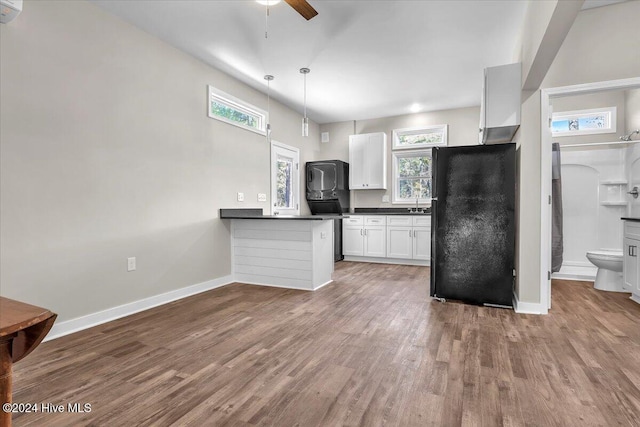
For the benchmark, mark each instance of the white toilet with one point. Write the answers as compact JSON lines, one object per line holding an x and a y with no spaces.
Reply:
{"x":609,"y":263}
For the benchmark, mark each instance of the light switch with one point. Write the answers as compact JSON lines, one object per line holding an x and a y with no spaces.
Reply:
{"x":241,"y":197}
{"x":262,"y":197}
{"x":131,"y":264}
{"x":323,"y":234}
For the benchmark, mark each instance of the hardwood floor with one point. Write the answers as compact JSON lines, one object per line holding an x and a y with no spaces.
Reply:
{"x":370,"y":349}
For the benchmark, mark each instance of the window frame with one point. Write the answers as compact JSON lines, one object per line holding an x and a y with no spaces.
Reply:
{"x":276,"y":149}
{"x":611,"y":112}
{"x":397,"y":133}
{"x":395,"y":156}
{"x":230,"y":101}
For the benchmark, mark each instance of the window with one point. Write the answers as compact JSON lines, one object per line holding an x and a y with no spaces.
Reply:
{"x":229,"y":109}
{"x":412,"y":173}
{"x":419,"y":137}
{"x":285,"y":179}
{"x":584,"y":122}
{"x":412,"y":166}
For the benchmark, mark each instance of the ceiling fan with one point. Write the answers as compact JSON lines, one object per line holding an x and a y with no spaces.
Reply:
{"x":303,"y":8}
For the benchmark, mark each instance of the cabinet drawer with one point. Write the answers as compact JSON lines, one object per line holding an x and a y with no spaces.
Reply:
{"x":375,"y":220}
{"x":399,"y":220}
{"x":353,"y":220}
{"x":422,"y":221}
{"x":632,"y":229}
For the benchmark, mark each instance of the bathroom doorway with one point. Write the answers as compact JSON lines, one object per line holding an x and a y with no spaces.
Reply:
{"x":598,"y":170}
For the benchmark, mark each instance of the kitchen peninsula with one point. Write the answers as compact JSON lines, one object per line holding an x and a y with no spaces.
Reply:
{"x":279,"y":250}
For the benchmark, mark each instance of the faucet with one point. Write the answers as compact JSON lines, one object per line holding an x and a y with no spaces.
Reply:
{"x":416,"y":209}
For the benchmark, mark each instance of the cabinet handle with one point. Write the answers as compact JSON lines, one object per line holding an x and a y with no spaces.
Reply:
{"x":361,"y":231}
{"x":410,"y":233}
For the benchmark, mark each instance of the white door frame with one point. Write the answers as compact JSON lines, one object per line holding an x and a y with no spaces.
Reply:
{"x":545,"y":170}
{"x":296,"y":180}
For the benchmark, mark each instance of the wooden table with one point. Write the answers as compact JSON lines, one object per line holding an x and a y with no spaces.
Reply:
{"x":22,"y":328}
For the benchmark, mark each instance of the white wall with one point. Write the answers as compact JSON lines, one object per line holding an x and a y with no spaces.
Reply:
{"x":462,"y":130}
{"x":107,"y":153}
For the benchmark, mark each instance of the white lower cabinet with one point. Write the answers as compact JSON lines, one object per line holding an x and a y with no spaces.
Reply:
{"x":631,"y":260}
{"x":630,"y":264}
{"x":399,"y":242}
{"x":363,"y":236}
{"x":374,"y":241}
{"x":352,"y":240}
{"x":387,"y":239}
{"x":422,"y":243}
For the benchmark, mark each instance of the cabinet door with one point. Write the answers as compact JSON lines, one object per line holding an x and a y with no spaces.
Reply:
{"x":630,"y":264}
{"x":400,"y":242}
{"x":352,"y":240}
{"x":375,"y":241}
{"x":357,"y":161}
{"x":422,"y":243}
{"x":376,"y":161}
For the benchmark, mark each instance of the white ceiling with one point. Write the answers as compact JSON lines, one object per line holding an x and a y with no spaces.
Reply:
{"x":367,"y":58}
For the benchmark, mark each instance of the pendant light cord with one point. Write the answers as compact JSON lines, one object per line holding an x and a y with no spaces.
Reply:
{"x":305,"y":95}
{"x":266,"y":22}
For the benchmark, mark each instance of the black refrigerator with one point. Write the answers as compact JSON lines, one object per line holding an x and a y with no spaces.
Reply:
{"x":473,"y":224}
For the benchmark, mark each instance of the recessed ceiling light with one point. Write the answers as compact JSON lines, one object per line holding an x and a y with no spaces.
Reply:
{"x":415,"y":108}
{"x":268,"y":2}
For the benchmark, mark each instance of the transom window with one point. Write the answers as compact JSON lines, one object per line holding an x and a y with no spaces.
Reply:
{"x":584,"y":122}
{"x":419,"y":137}
{"x":232,"y":110}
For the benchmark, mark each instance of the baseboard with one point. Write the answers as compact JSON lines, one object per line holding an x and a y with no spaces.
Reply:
{"x":295,"y":288}
{"x":522,"y":307}
{"x":94,"y":319}
{"x":375,"y":260}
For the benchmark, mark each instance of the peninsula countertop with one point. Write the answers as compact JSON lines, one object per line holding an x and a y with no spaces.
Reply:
{"x":257,"y":214}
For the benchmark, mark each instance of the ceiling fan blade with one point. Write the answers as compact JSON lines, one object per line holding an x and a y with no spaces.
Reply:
{"x":303,"y":8}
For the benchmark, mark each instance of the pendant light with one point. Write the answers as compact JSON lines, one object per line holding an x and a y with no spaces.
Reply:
{"x":268,"y":78}
{"x":305,"y":119}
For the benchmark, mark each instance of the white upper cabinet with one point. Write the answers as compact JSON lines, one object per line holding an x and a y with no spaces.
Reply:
{"x":500,"y":106}
{"x":368,"y":161}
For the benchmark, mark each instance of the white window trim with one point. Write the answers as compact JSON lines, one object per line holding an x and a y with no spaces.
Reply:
{"x":295,"y":184}
{"x":416,"y":130}
{"x":564,"y":115}
{"x":396,"y":188}
{"x":240,"y":105}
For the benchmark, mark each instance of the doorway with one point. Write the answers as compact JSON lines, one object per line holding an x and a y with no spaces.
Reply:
{"x":285,"y":179}
{"x":546,"y":167}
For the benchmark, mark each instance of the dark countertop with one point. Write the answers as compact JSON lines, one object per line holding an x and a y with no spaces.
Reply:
{"x":388,"y":211}
{"x":257,"y":214}
{"x":630,"y":219}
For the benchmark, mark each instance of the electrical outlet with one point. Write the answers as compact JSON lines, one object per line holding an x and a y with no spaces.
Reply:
{"x":131,"y":264}
{"x":241,"y":197}
{"x":262,"y":197}
{"x":323,"y":234}
{"x":385,"y":198}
